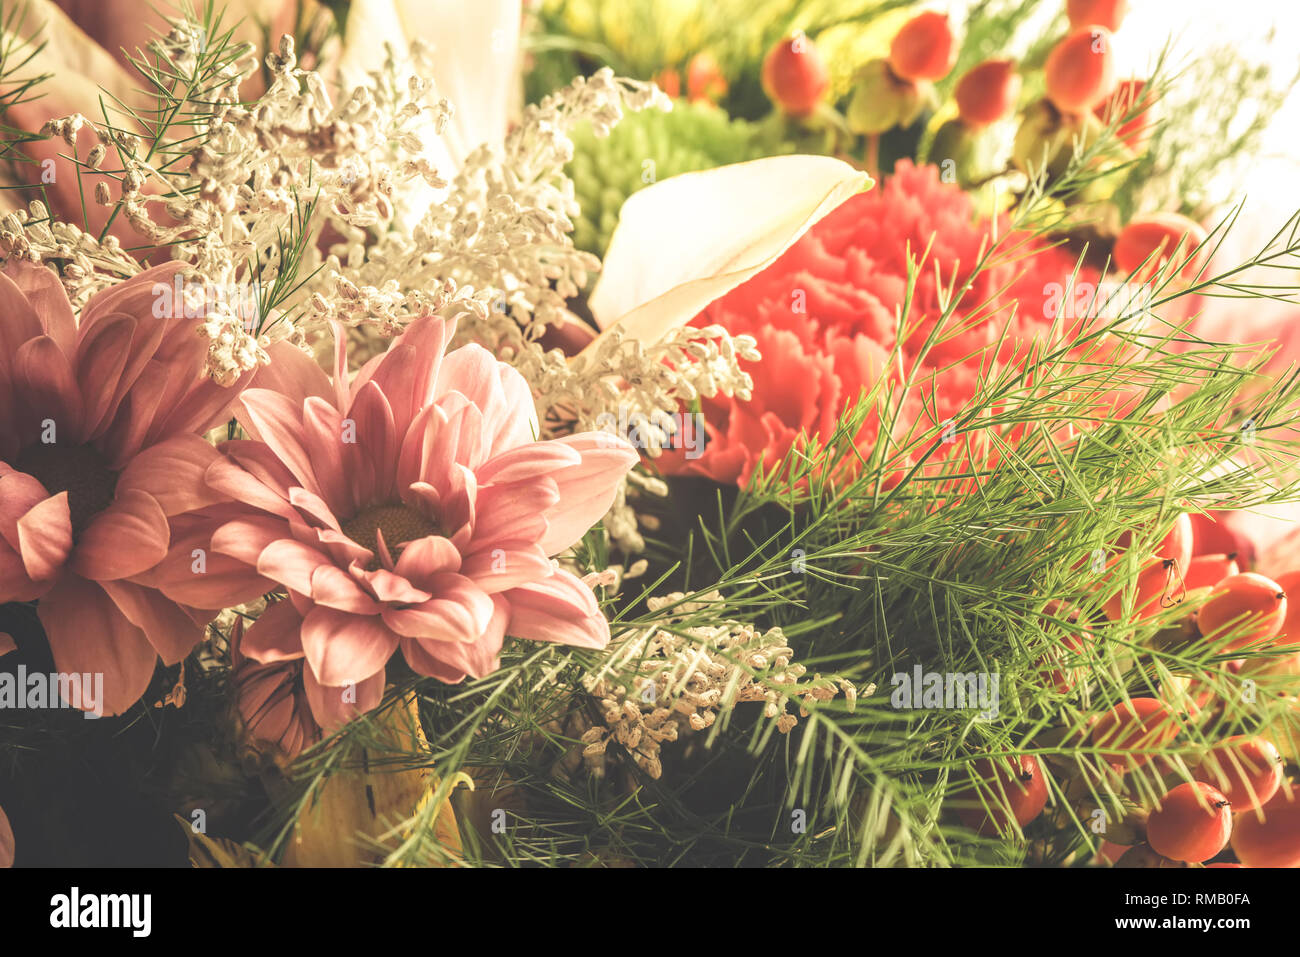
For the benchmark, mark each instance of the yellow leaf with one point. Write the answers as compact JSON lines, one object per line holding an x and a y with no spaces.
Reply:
{"x":349,"y":822}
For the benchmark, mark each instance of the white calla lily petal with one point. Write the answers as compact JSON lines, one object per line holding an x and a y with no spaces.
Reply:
{"x":686,"y":241}
{"x":475,"y":63}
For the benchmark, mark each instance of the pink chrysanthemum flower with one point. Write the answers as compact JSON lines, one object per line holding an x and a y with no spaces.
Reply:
{"x":101,"y":418}
{"x":413,"y":509}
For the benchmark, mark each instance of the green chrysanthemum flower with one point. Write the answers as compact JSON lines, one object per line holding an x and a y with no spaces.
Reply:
{"x":650,"y":146}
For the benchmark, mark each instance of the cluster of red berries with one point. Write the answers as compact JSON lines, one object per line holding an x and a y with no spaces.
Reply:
{"x":1238,"y":796}
{"x":796,"y":77}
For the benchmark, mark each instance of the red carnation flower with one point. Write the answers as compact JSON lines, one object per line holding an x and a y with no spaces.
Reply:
{"x":824,"y":319}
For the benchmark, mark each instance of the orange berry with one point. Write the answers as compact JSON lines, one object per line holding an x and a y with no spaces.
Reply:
{"x":1206,"y":571}
{"x":1289,"y":633}
{"x":1192,"y":824}
{"x":1246,"y":769}
{"x":1219,"y":532}
{"x":1247,"y":601}
{"x":924,"y":49}
{"x":1176,"y":546}
{"x":1274,"y":841}
{"x":669,"y":81}
{"x":1126,"y":98}
{"x":1140,"y":724}
{"x":1155,"y":238}
{"x":1104,"y":13}
{"x":704,"y":79}
{"x":794,"y":75}
{"x":1013,"y":788}
{"x":987,"y":92}
{"x":1080,"y":70}
{"x":1157,"y":587}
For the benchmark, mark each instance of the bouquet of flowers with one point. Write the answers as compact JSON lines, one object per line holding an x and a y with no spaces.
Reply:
{"x":442,"y":434}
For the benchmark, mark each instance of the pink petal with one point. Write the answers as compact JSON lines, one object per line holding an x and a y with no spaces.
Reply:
{"x":127,"y":538}
{"x":229,"y":478}
{"x":18,"y":493}
{"x":335,"y":588}
{"x":134,"y":297}
{"x":425,"y":558}
{"x":343,"y":550}
{"x":47,"y":384}
{"x":499,"y":392}
{"x":513,"y":513}
{"x":560,"y":609}
{"x":322,"y":427}
{"x":246,"y":538}
{"x":173,"y":473}
{"x":169,"y":629}
{"x":275,"y":636}
{"x":502,"y":568}
{"x":587,"y":490}
{"x":415,"y":438}
{"x":457,"y":443}
{"x":345,"y":649}
{"x":45,"y":537}
{"x":203,"y":406}
{"x":453,"y":661}
{"x":389,"y":587}
{"x":101,"y":360}
{"x":377,"y":442}
{"x":459,"y":509}
{"x":460,"y":611}
{"x":137,"y":415}
{"x":333,"y":707}
{"x":424,"y":498}
{"x":290,"y":563}
{"x":275,"y":420}
{"x":314,"y":507}
{"x":145,"y":341}
{"x":527,"y":462}
{"x":41,"y":287}
{"x":193,"y":573}
{"x":22,"y":322}
{"x":6,"y":841}
{"x":88,"y":636}
{"x":15,"y":583}
{"x":381,"y":549}
{"x":292,"y":373}
{"x":408,"y":371}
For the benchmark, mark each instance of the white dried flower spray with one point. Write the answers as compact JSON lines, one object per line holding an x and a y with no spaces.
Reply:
{"x":656,"y":685}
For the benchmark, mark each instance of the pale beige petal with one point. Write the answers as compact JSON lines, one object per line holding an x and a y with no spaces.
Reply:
{"x":684,"y":242}
{"x":475,"y":62}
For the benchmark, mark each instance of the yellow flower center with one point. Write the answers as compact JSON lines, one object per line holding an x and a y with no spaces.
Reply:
{"x":399,"y":523}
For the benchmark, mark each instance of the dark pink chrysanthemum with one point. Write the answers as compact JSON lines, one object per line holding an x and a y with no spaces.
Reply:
{"x":101,"y":417}
{"x":413,"y":509}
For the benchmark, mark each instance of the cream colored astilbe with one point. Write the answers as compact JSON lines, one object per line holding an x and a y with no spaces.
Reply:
{"x":658,"y":685}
